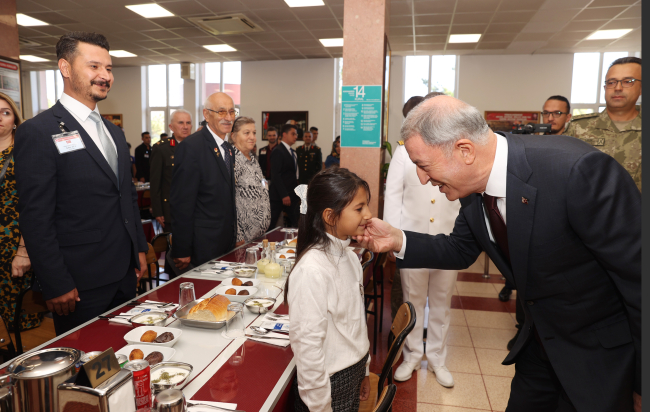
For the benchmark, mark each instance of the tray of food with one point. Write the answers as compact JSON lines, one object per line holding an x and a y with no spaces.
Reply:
{"x":153,"y":335}
{"x":211,"y":313}
{"x":151,"y":354}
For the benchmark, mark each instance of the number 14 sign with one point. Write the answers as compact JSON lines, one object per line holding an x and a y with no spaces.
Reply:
{"x":361,"y":116}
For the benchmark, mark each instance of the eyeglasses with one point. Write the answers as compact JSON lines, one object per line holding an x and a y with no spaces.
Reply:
{"x":553,"y":114}
{"x":223,"y":113}
{"x":625,"y":83}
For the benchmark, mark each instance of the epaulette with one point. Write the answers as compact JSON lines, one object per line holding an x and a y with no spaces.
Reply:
{"x":400,"y":142}
{"x":585,"y":116}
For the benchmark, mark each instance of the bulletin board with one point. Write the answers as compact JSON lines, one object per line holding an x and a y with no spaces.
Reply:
{"x":10,"y":81}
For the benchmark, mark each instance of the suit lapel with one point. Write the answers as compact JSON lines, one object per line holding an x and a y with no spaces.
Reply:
{"x":520,"y":210}
{"x":217,"y":157}
{"x":72,"y":124}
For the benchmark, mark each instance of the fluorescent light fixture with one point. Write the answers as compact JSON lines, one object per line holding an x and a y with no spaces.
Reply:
{"x":150,"y":11}
{"x":25,"y":20}
{"x":121,"y":53}
{"x":220,"y":48}
{"x":464,"y":38}
{"x":304,"y":3}
{"x":31,"y":58}
{"x":608,"y":34}
{"x":332,"y":42}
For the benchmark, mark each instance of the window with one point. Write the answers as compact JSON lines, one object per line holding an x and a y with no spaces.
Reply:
{"x":47,"y":88}
{"x":220,"y":77}
{"x":164,"y":96}
{"x":589,"y":71}
{"x":425,"y":74}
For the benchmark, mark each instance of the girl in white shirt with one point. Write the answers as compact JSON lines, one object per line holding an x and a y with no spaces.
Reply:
{"x":329,"y":336}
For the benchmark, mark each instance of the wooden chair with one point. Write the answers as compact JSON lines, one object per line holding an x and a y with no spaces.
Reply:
{"x":6,"y":344}
{"x":152,"y":266}
{"x":386,"y":399}
{"x":27,"y":303}
{"x":402,"y":325}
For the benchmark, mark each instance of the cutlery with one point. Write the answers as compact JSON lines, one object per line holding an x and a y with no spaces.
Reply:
{"x":262,"y":331}
{"x":125,"y":317}
{"x":265,"y":337}
{"x":190,"y":404}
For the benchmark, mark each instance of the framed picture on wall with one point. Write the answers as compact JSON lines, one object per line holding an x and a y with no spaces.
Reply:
{"x":500,"y":121}
{"x":10,"y":82}
{"x":116,"y":119}
{"x":278,"y":119}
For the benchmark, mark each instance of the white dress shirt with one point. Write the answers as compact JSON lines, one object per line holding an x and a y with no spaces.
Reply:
{"x":328,"y":319}
{"x":220,"y":141}
{"x":496,"y":186}
{"x":81,"y":113}
{"x":295,"y":158}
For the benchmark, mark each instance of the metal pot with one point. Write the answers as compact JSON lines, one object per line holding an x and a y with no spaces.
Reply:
{"x":36,"y":375}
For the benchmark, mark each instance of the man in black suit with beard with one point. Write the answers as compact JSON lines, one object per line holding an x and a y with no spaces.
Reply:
{"x":284,"y":178}
{"x":570,"y":243}
{"x":202,"y":196}
{"x":78,"y":207}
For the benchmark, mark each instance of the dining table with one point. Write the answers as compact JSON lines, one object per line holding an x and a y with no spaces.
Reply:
{"x":252,"y":374}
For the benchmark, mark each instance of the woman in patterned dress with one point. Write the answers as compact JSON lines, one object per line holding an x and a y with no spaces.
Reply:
{"x":251,"y":189}
{"x":15,"y":274}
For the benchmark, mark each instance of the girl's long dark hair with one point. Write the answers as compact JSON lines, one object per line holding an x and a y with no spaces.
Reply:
{"x":332,"y":188}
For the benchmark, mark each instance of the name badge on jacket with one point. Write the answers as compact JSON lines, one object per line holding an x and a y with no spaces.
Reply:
{"x":68,"y":142}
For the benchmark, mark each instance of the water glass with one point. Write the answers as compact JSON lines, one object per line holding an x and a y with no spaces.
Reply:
{"x":289,"y":235}
{"x":252,"y":256}
{"x":186,"y":293}
{"x":235,"y":327}
{"x":286,"y":267}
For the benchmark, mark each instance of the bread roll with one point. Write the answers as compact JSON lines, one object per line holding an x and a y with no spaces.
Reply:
{"x":243,"y":292}
{"x":236,"y":282}
{"x":231,"y":291}
{"x":148,"y":336}
{"x":210,"y":310}
{"x":136,"y":354}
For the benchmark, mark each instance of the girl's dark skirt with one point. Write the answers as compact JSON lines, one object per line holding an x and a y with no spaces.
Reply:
{"x":345,"y":386}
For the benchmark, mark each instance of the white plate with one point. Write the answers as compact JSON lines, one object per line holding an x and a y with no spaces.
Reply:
{"x":252,"y":291}
{"x":134,"y":336}
{"x":286,"y":255}
{"x":168,"y":353}
{"x":228,"y":281}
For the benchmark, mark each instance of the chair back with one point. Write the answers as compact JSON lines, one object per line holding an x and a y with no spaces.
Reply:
{"x":161,"y":242}
{"x":5,"y":337}
{"x":378,"y":268}
{"x":366,"y":262}
{"x":386,"y":398}
{"x":402,"y":325}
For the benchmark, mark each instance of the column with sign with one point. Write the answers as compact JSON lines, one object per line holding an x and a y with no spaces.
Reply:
{"x":361,"y":116}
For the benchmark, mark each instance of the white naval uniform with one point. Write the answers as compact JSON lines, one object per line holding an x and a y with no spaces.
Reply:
{"x":409,"y":205}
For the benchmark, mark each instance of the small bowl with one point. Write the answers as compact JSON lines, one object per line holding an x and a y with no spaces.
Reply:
{"x":89,"y":356}
{"x":133,"y":337}
{"x":259,"y":309}
{"x":141,"y":319}
{"x":157,"y":387}
{"x":252,"y":291}
{"x":244,"y":271}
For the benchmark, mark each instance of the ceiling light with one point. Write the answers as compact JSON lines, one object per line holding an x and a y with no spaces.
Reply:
{"x":31,"y":58}
{"x":121,"y":53}
{"x":332,"y":42}
{"x":464,"y":38}
{"x":220,"y":48}
{"x":25,"y":20}
{"x":304,"y":3}
{"x":149,"y":11}
{"x":608,"y":34}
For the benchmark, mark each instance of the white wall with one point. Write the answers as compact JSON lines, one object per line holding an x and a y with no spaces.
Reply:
{"x":513,"y":82}
{"x":291,"y":85}
{"x":125,"y":98}
{"x":396,"y":101}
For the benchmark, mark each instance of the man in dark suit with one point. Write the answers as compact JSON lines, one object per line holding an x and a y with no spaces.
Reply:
{"x":284,"y":178}
{"x":570,"y":243}
{"x":264,"y":157}
{"x":142,"y":155}
{"x":202,"y":196}
{"x":78,"y":206}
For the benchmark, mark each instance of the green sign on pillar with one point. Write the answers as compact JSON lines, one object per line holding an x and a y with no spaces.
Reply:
{"x":361,"y":116}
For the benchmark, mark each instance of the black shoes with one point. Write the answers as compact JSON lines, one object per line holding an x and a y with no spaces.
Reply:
{"x":505,"y":293}
{"x":512,"y":341}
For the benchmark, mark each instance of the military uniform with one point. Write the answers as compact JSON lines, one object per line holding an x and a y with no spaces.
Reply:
{"x":409,"y":205}
{"x":162,"y":165}
{"x":310,"y":162}
{"x":599,"y":130}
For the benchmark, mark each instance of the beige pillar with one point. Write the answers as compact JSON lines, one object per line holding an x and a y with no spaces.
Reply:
{"x":9,"y":30}
{"x":365,"y":23}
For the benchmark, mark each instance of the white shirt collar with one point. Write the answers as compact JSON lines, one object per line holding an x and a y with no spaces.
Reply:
{"x":496,"y":185}
{"x":287,"y":146}
{"x":218,"y":139}
{"x":337,"y":246}
{"x":77,"y":108}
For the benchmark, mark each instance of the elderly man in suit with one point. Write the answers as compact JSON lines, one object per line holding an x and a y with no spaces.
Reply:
{"x":284,"y":178}
{"x":78,"y":207}
{"x":562,"y":222}
{"x":202,"y":195}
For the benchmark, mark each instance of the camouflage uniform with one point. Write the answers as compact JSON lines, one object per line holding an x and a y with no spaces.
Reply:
{"x":600,"y":131}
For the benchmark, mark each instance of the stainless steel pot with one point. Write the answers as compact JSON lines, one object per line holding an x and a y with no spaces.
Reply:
{"x":36,"y":375}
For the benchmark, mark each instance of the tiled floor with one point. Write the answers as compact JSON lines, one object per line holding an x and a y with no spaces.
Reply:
{"x":480,"y":328}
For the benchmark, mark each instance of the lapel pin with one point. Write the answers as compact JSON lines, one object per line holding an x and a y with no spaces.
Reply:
{"x":524,"y":200}
{"x":216,"y":151}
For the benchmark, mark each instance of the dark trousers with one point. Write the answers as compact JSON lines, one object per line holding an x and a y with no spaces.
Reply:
{"x":536,"y":387}
{"x":96,"y":301}
{"x":293,"y":211}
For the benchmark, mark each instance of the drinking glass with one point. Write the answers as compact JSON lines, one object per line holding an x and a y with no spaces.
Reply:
{"x":286,"y":267}
{"x":252,"y":256}
{"x":186,"y":293}
{"x":289,"y":235}
{"x":235,"y":327}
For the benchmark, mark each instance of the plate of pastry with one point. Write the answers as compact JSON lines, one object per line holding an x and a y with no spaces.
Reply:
{"x":150,"y":353}
{"x":241,"y":282}
{"x":153,"y":335}
{"x":236,"y":293}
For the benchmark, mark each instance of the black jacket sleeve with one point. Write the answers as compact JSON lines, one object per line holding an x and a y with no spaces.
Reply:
{"x":277,"y":161}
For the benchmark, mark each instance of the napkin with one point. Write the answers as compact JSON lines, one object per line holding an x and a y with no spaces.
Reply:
{"x":122,"y":321}
{"x":231,"y":406}
{"x":154,"y":305}
{"x":282,"y":341}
